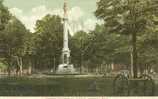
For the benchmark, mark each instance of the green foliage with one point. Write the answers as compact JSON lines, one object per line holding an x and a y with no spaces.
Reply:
{"x":126,"y":16}
{"x":132,"y":17}
{"x":48,"y":39}
{"x":12,"y":36}
{"x":4,"y":15}
{"x":3,"y":66}
{"x":13,"y":39}
{"x":78,"y":45}
{"x":99,"y":47}
{"x":108,"y":47}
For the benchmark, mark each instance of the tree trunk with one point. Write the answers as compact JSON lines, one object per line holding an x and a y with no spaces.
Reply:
{"x":19,"y":67}
{"x":134,"y":55}
{"x":54,"y":64}
{"x":30,"y":70}
{"x":30,"y":66}
{"x":131,"y":64}
{"x":81,"y":63}
{"x":9,"y":71}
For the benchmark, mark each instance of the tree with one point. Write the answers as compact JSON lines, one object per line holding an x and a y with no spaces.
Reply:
{"x":4,"y":19}
{"x":147,"y":48}
{"x":4,"y":15}
{"x":107,"y":48}
{"x":99,"y":47}
{"x":127,"y":17}
{"x":48,"y":39}
{"x":78,"y":44}
{"x":13,"y":38}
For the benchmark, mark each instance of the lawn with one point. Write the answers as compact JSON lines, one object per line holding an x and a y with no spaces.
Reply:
{"x":25,"y":86}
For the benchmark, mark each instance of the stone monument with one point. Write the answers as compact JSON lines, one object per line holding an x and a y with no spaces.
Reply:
{"x":65,"y":67}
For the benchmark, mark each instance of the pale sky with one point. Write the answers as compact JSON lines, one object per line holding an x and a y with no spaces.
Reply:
{"x":81,"y":12}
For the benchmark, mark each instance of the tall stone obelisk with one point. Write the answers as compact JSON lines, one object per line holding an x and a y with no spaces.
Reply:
{"x":65,"y":51}
{"x":65,"y":67}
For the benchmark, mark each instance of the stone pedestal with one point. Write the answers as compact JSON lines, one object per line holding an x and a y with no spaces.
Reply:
{"x":66,"y":69}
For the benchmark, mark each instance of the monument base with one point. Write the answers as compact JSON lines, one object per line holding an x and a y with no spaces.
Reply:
{"x":66,"y":69}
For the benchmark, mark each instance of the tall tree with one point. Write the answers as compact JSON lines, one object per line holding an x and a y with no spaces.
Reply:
{"x":78,"y":44}
{"x":49,"y":40}
{"x":127,"y":17}
{"x":13,"y":39}
{"x":147,"y":48}
{"x":107,"y":47}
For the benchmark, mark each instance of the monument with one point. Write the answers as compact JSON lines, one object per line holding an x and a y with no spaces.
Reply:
{"x":65,"y":67}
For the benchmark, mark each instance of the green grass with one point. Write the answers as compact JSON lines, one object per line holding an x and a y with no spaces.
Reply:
{"x":25,"y":86}
{"x":54,"y":87}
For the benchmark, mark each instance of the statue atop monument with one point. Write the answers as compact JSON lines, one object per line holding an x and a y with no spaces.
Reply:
{"x":65,"y":9}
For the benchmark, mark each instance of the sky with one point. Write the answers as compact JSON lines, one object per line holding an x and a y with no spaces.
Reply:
{"x":81,"y":12}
